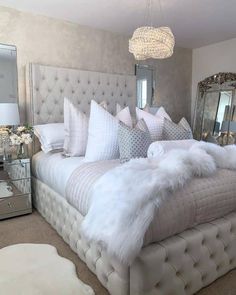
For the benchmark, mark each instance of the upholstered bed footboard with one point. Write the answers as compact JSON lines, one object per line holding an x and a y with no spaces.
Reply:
{"x":185,"y":263}
{"x":182,"y":264}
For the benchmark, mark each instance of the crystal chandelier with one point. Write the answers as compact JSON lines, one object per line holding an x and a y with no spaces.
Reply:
{"x":149,"y":42}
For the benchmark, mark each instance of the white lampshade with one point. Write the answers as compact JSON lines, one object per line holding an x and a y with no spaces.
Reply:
{"x":9,"y":114}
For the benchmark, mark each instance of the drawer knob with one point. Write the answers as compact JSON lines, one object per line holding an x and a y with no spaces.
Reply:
{"x":9,"y":205}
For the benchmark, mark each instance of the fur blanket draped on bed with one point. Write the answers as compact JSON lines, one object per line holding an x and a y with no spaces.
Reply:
{"x":124,"y":199}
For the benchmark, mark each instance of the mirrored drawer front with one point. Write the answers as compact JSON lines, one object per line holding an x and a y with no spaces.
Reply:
{"x":14,"y":204}
{"x":17,"y":169}
{"x":11,"y":188}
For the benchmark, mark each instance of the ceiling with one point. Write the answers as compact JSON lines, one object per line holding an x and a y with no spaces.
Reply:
{"x":195,"y":23}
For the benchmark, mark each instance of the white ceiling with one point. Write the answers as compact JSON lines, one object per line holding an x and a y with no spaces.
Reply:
{"x":195,"y":23}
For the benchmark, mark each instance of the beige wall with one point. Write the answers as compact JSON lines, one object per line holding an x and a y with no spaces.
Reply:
{"x":54,"y":42}
{"x":173,"y":78}
{"x":212,"y":59}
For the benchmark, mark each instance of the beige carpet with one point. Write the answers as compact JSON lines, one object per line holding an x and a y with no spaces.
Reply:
{"x":34,"y":229}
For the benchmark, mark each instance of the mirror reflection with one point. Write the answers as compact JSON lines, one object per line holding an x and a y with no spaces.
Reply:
{"x":8,"y":74}
{"x":145,"y":85}
{"x":215,"y":112}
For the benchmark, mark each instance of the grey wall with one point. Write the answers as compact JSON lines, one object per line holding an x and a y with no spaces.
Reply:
{"x":173,"y":79}
{"x":55,"y":42}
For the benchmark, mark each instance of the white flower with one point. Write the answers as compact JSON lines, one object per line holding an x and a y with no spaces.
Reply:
{"x":20,"y":128}
{"x":26,"y":138}
{"x":15,"y":139}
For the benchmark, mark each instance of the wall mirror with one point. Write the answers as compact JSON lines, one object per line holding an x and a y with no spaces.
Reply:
{"x":145,"y":85}
{"x":8,"y":74}
{"x":215,"y":112}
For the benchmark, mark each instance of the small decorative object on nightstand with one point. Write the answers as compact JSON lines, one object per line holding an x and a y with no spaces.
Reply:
{"x":15,"y":188}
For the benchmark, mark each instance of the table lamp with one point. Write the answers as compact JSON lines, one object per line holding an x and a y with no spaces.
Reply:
{"x":9,"y":116}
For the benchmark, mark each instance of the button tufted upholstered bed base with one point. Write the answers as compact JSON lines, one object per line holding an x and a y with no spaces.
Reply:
{"x":179,"y":265}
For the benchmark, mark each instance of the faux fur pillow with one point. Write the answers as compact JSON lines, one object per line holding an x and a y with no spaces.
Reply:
{"x":180,"y":131}
{"x":133,"y":142}
{"x":103,"y":133}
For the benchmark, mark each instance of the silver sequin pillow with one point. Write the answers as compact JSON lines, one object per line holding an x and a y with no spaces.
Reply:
{"x":180,"y":131}
{"x":133,"y":142}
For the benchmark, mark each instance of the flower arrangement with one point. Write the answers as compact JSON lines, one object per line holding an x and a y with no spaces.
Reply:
{"x":21,"y":135}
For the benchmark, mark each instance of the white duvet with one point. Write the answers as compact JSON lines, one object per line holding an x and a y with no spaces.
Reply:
{"x":54,"y":169}
{"x":124,"y":199}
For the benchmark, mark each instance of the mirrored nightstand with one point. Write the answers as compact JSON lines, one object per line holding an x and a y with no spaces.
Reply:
{"x":15,"y":188}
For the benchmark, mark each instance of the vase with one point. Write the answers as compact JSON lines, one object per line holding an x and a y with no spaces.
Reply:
{"x":21,"y":151}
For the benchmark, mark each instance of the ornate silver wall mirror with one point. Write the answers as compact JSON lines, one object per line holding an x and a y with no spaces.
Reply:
{"x":145,"y":85}
{"x":215,"y":109}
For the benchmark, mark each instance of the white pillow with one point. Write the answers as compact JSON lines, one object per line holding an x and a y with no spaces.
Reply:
{"x":161,"y":112}
{"x":154,"y":123}
{"x":157,"y":111}
{"x":103,"y":133}
{"x":51,"y":136}
{"x":76,"y":130}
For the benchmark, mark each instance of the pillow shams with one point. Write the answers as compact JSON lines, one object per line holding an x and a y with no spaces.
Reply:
{"x":133,"y":142}
{"x":180,"y":131}
{"x":51,"y":136}
{"x":103,"y":133}
{"x":154,"y":124}
{"x":76,"y":130}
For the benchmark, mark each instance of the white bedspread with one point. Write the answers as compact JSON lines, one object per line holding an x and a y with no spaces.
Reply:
{"x":124,"y":199}
{"x":54,"y":169}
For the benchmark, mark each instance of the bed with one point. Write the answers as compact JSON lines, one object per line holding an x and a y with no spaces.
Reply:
{"x":181,"y":263}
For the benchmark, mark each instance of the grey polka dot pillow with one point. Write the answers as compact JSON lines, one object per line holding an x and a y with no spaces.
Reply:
{"x":180,"y":131}
{"x":133,"y":142}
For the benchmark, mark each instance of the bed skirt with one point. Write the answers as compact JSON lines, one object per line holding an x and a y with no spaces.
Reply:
{"x":180,"y":265}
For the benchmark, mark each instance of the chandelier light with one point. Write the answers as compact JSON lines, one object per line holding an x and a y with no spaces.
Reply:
{"x":150,"y":42}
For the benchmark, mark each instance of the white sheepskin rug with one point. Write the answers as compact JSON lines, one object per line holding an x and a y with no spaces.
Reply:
{"x":124,"y":199}
{"x":37,"y":269}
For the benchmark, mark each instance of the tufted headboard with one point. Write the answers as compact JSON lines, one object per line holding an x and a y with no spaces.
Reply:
{"x":47,"y":87}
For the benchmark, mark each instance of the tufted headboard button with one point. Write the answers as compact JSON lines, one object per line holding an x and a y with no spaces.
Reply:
{"x":51,"y":84}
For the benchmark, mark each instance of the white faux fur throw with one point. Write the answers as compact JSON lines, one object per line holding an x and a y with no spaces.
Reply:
{"x":124,"y":199}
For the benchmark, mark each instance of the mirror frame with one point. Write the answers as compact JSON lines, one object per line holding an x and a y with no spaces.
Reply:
{"x":223,"y":81}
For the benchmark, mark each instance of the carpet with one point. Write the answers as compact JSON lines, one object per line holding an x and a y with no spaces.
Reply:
{"x":33,"y":228}
{"x":37,"y":269}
